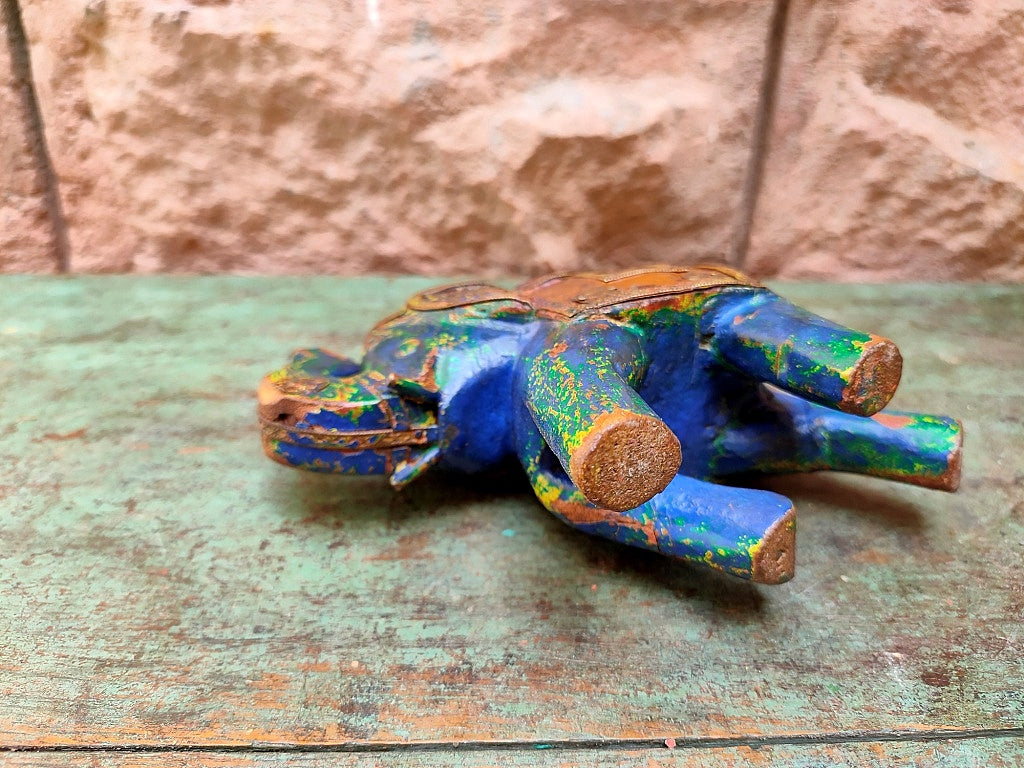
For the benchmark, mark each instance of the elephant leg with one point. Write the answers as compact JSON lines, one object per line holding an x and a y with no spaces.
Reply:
{"x":771,"y":340}
{"x":915,"y":448}
{"x":744,"y":532}
{"x":579,"y":394}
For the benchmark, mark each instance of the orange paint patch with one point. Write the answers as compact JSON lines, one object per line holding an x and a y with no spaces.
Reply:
{"x":739,"y":319}
{"x":412,"y":546}
{"x":190,"y":449}
{"x":78,"y":434}
{"x":892,"y":421}
{"x":879,"y":751}
{"x":872,"y":556}
{"x":269,"y":691}
{"x":558,"y":349}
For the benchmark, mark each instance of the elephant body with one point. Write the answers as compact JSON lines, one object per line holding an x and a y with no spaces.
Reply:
{"x":625,"y":398}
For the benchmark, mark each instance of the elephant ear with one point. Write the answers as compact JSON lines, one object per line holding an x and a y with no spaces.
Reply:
{"x":317,"y":361}
{"x":461,"y":295}
{"x":422,"y":390}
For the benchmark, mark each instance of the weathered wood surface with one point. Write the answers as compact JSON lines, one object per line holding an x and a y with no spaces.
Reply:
{"x":164,"y":585}
{"x":987,"y":753}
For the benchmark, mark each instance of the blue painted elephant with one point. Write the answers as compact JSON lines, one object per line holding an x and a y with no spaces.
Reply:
{"x":625,"y":398}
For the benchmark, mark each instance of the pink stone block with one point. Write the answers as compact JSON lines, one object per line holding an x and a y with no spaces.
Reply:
{"x":897,"y":150}
{"x":443,"y":137}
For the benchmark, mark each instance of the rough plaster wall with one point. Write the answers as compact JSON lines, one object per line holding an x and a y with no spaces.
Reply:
{"x":438,"y":137}
{"x":517,"y":137}
{"x":897,"y":149}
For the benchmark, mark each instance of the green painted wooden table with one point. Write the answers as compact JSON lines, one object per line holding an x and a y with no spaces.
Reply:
{"x":170,"y":597}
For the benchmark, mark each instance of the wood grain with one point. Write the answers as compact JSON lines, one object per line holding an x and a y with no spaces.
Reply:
{"x":164,"y":585}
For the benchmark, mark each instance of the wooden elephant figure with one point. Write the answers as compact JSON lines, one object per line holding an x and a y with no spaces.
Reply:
{"x":625,"y":397}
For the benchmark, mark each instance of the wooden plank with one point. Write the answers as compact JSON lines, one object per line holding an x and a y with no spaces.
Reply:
{"x":164,"y":584}
{"x":965,"y":753}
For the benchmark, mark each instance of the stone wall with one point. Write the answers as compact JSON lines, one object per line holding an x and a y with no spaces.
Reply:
{"x":897,"y":149}
{"x":516,"y":137}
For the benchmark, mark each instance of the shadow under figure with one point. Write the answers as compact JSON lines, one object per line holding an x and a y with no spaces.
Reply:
{"x":625,"y":397}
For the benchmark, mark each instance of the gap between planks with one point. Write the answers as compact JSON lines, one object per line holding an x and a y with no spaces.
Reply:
{"x":764,"y":117}
{"x":682,"y":742}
